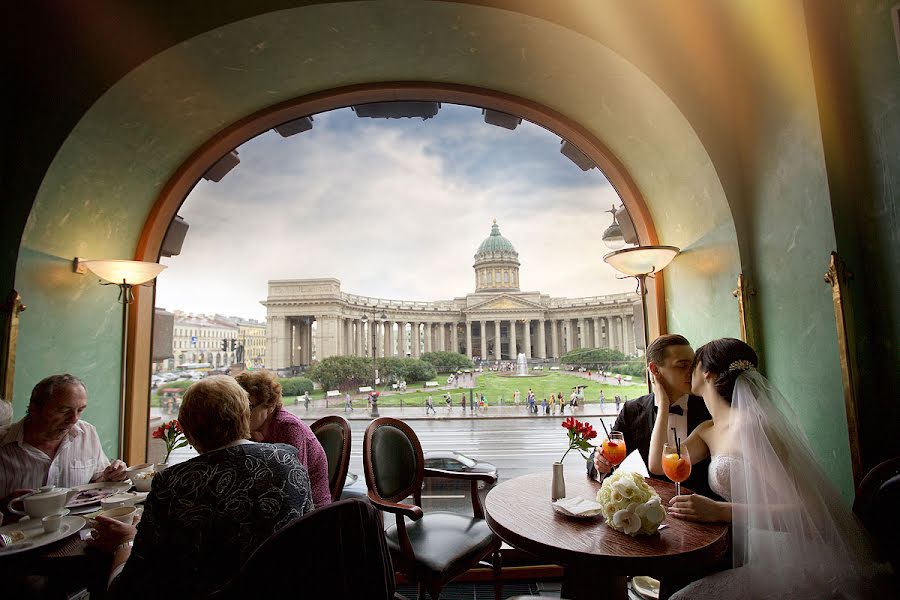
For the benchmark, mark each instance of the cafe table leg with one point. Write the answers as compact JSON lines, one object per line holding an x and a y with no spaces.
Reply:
{"x":581,"y":583}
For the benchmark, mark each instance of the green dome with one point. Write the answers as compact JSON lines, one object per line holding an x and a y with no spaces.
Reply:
{"x":495,"y":244}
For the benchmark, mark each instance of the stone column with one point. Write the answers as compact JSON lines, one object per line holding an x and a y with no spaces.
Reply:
{"x":542,"y":339}
{"x":442,"y":337}
{"x":483,"y":325}
{"x":469,"y":338}
{"x":570,"y":336}
{"x":628,"y":328}
{"x":614,"y":333}
{"x":582,"y":334}
{"x":497,"y":339}
{"x":513,"y":351}
{"x":554,"y":337}
{"x":413,"y":339}
{"x":296,"y":328}
{"x":426,"y":333}
{"x":389,"y":338}
{"x":455,"y":336}
{"x":527,"y":335}
{"x":597,"y":342}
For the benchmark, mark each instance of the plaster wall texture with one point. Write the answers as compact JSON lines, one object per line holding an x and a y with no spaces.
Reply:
{"x":102,"y":184}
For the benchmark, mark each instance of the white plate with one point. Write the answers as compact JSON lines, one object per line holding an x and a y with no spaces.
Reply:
{"x":579,"y":508}
{"x":35,"y":536}
{"x":645,"y":587}
{"x":106,"y":489}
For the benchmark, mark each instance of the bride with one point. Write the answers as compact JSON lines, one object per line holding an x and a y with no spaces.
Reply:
{"x":793,"y":535}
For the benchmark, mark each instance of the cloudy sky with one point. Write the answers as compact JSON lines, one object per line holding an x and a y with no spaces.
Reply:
{"x":394,"y":208}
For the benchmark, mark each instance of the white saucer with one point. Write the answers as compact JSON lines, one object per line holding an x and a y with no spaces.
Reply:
{"x":35,"y":537}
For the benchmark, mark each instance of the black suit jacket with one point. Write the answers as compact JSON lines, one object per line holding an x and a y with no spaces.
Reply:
{"x":636,"y":421}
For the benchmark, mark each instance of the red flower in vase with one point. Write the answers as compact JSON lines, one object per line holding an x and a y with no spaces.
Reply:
{"x":579,"y":434}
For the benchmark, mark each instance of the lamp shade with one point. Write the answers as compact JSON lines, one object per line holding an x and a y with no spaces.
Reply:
{"x":131,"y":272}
{"x":641,"y":260}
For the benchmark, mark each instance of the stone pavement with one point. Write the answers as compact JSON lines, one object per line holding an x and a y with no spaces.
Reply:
{"x":317,"y":410}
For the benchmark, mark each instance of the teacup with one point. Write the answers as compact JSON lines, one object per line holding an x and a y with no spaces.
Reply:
{"x":122,"y":514}
{"x":131,"y":472}
{"x":46,"y":501}
{"x":52,"y":522}
{"x":116,"y":501}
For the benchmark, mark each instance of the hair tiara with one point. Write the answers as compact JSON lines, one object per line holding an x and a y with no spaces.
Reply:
{"x":740,"y":365}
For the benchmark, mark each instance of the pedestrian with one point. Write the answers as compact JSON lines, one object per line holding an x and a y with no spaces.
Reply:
{"x":545,"y":406}
{"x":618,"y":403}
{"x":552,"y":404}
{"x":348,"y":402}
{"x":516,"y":397}
{"x":429,"y":405}
{"x":481,"y":403}
{"x":602,"y":399}
{"x":306,"y":400}
{"x":472,"y":402}
{"x":462,"y":402}
{"x":449,"y":400}
{"x":619,"y":377}
{"x":589,"y":374}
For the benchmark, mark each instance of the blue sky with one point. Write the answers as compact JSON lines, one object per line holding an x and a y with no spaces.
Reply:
{"x":394,"y":208}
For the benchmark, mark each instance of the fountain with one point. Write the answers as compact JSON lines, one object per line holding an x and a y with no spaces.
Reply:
{"x":522,"y":370}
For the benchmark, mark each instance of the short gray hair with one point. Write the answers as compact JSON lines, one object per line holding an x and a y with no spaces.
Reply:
{"x":47,"y":386}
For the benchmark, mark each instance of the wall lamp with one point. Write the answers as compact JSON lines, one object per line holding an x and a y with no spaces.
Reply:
{"x":125,"y":274}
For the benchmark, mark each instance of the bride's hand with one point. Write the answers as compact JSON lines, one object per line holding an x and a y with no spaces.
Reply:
{"x":695,"y":507}
{"x":662,"y":397}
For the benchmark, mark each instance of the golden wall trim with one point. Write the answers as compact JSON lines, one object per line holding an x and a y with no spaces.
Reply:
{"x":9,"y":336}
{"x":743,"y":292}
{"x":837,"y":276}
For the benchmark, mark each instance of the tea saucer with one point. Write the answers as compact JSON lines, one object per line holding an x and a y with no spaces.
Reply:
{"x":35,"y":536}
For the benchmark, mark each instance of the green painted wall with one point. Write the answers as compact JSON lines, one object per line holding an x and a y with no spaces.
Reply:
{"x":103,"y":181}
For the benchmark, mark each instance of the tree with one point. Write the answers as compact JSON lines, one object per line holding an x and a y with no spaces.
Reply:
{"x":448,"y":362}
{"x":342,"y":372}
{"x":393,"y":370}
{"x":295,"y":386}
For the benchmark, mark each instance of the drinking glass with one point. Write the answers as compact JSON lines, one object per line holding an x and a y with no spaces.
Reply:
{"x":613,"y":448}
{"x":676,"y":465}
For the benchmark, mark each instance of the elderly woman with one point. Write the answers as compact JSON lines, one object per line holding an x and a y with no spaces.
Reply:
{"x":270,"y":422}
{"x":204,"y":517}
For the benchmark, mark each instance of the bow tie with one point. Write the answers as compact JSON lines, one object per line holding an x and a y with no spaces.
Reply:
{"x":673,"y":410}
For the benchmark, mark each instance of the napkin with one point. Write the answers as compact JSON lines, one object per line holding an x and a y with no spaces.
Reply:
{"x":634,"y":463}
{"x":579,"y":507}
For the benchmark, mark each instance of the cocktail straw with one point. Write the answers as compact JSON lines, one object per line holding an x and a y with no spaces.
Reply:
{"x":677,"y":441}
{"x":604,"y":428}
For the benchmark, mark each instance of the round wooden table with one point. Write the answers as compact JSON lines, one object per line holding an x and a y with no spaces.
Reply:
{"x":596,"y":557}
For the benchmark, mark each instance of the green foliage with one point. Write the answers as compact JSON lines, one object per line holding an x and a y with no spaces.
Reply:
{"x":604,"y":359}
{"x":393,"y":370}
{"x":448,"y":362}
{"x":342,"y":372}
{"x":295,"y":386}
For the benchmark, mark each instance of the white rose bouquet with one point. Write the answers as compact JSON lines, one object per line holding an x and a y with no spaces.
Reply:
{"x":630,"y":505}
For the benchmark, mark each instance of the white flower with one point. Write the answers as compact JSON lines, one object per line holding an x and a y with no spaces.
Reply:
{"x":626,"y":521}
{"x":651,"y":511}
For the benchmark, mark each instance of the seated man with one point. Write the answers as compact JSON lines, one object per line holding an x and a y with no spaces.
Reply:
{"x":669,"y":359}
{"x":51,"y":445}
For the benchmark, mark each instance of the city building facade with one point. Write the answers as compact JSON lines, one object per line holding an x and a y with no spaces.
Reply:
{"x":252,"y":336}
{"x":201,"y":339}
{"x":311,"y":319}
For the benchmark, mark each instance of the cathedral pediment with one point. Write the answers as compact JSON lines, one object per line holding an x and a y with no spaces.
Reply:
{"x":505,"y":302}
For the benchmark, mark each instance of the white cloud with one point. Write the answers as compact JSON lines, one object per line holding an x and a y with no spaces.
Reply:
{"x":381,"y":206}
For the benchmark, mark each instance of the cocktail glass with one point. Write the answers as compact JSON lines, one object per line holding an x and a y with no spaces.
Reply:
{"x":613,"y":448}
{"x":676,"y":465}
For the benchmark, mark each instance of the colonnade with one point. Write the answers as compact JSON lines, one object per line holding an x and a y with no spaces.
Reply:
{"x":296,"y":340}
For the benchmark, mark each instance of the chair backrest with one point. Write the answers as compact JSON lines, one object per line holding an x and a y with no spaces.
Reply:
{"x":876,"y":505}
{"x":333,"y":432}
{"x":338,"y":552}
{"x":393,"y":460}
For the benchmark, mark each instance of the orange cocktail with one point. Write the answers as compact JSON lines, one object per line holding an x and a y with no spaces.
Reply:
{"x":676,"y":465}
{"x":613,"y":448}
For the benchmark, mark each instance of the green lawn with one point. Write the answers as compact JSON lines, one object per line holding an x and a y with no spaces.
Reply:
{"x":495,"y":387}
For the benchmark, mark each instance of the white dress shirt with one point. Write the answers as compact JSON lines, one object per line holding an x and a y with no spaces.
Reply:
{"x":679,"y":422}
{"x":79,"y":458}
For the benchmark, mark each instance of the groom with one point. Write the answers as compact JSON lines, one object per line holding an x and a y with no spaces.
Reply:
{"x":669,"y":359}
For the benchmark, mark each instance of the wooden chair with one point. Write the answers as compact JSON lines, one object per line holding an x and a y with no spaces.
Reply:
{"x":876,"y":505}
{"x":436,"y":547}
{"x":333,"y":432}
{"x":337,"y":552}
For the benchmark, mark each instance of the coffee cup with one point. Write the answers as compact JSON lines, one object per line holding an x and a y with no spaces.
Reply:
{"x":51,"y":523}
{"x":122,"y":514}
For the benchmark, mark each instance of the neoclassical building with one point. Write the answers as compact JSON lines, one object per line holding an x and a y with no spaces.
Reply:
{"x":311,"y":319}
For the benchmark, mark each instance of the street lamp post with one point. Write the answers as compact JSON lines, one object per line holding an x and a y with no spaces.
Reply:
{"x":373,"y":328}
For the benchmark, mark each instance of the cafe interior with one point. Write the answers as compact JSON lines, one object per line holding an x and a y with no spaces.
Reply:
{"x":761,"y":139}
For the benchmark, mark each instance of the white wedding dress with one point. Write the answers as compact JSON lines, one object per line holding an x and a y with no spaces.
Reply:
{"x":794,"y":537}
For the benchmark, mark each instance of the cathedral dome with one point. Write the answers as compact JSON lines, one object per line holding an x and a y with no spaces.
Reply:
{"x":496,"y":246}
{"x":496,"y":264}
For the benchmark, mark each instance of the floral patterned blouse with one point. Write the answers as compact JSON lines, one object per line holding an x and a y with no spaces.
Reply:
{"x":204,"y":517}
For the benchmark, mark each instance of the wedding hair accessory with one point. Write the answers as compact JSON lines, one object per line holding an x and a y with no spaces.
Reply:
{"x":740,"y":365}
